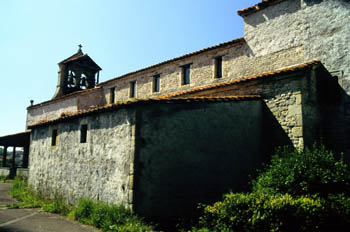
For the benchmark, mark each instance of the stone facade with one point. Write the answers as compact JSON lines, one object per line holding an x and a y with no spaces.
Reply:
{"x":162,"y":152}
{"x":179,"y":160}
{"x":236,"y":63}
{"x":321,"y":27}
{"x":98,"y":169}
{"x":65,"y":105}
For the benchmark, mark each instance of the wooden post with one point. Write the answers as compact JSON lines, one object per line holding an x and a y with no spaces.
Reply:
{"x":25,"y":156}
{"x":4,"y":155}
{"x":14,"y":157}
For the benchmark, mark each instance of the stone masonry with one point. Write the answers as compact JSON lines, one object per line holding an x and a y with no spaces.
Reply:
{"x":287,"y":82}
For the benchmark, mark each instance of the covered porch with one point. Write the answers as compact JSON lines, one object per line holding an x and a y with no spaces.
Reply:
{"x":14,"y":161}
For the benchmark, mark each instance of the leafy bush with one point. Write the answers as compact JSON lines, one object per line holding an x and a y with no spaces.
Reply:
{"x":314,"y":171}
{"x":298,"y":191}
{"x":58,"y":205}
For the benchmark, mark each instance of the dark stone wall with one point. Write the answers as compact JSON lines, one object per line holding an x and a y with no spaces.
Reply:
{"x":193,"y":153}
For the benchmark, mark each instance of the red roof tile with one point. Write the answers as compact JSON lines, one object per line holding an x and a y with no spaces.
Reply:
{"x":121,"y":104}
{"x":257,"y":7}
{"x":244,"y":79}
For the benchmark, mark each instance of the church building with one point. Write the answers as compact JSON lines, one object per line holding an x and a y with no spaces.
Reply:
{"x":162,"y":139}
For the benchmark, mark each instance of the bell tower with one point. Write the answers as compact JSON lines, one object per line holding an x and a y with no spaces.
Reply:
{"x":77,"y":72}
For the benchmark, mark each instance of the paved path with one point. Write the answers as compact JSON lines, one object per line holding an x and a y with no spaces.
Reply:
{"x":31,"y":220}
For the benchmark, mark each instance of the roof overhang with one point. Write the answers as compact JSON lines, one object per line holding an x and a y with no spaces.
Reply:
{"x":21,"y":139}
{"x":262,"y":5}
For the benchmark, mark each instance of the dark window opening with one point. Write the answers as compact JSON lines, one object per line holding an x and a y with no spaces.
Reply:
{"x":133,"y":89}
{"x":112,"y":95}
{"x":186,"y":74}
{"x":156,"y":83}
{"x":218,"y":67}
{"x":83,"y":133}
{"x":54,"y":137}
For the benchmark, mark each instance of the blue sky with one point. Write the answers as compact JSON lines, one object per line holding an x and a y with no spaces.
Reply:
{"x":121,"y":36}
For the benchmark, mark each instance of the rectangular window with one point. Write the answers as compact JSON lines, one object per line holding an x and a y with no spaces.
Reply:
{"x":83,"y":133}
{"x":112,"y":95}
{"x":54,"y":137}
{"x":156,"y":83}
{"x":218,"y":67}
{"x":133,"y":89}
{"x":186,"y":74}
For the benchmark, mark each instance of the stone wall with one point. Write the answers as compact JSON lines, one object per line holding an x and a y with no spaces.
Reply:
{"x":282,"y":95}
{"x":182,"y":155}
{"x":193,"y":153}
{"x":99,"y":169}
{"x":69,"y":104}
{"x":327,"y":36}
{"x":4,"y":172}
{"x":50,"y":110}
{"x":321,"y":27}
{"x":237,"y":63}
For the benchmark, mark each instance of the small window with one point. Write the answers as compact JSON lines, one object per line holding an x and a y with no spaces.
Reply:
{"x":112,"y":95}
{"x":133,"y":89}
{"x":156,"y":83}
{"x":218,"y":67}
{"x":186,"y":74}
{"x":83,"y":133}
{"x":54,"y":137}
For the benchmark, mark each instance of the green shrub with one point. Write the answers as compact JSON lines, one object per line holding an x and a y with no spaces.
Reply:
{"x":108,"y":217}
{"x":58,"y":205}
{"x":299,"y":191}
{"x":3,"y":178}
{"x":83,"y":211}
{"x":26,"y":198}
{"x":265,"y":212}
{"x":313,"y":171}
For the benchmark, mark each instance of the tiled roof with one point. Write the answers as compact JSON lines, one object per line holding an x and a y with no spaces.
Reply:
{"x":257,"y":7}
{"x":231,"y":42}
{"x":75,"y":55}
{"x":244,"y":79}
{"x":135,"y":102}
{"x":80,"y":55}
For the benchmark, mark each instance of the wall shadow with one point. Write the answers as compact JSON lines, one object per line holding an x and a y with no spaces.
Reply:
{"x":312,"y":2}
{"x":334,"y":105}
{"x":198,"y":158}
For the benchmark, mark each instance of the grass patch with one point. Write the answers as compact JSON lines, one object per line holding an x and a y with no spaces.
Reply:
{"x":108,"y":217}
{"x":3,"y":179}
{"x":101,"y":215}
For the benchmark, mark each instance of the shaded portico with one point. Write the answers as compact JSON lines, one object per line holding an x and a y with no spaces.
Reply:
{"x":14,"y":141}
